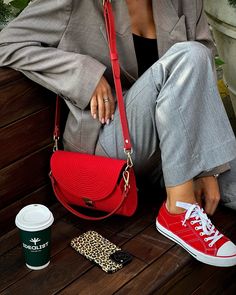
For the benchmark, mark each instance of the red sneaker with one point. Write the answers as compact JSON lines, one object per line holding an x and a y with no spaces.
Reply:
{"x":194,"y":231}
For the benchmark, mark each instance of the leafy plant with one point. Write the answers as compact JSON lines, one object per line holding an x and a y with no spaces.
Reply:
{"x":232,"y":2}
{"x":19,"y":4}
{"x":5,"y":12}
{"x":218,"y":62}
{"x":10,"y":9}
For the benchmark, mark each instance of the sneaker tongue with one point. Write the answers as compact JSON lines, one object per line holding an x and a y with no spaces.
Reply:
{"x":185,"y":205}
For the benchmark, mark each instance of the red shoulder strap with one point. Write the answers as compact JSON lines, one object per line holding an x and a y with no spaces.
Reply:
{"x":111,"y":36}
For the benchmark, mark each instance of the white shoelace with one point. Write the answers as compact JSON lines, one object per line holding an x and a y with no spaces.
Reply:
{"x":208,"y":229}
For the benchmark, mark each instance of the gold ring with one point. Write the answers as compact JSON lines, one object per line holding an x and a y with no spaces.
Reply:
{"x":106,"y":100}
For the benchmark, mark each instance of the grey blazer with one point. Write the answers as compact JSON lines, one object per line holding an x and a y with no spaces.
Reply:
{"x":62,"y":45}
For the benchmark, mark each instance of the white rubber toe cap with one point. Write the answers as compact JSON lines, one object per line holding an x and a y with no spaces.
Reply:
{"x":227,"y":249}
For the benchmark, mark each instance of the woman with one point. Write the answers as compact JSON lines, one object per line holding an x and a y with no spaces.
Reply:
{"x":176,"y":118}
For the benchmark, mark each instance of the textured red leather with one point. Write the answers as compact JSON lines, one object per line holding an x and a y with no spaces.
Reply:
{"x":94,"y":182}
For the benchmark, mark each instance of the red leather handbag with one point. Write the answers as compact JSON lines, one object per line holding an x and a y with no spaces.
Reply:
{"x":96,"y":182}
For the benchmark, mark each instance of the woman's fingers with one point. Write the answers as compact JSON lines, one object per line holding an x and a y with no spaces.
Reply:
{"x":101,"y":108}
{"x":94,"y":107}
{"x":209,"y":189}
{"x":198,"y":196}
{"x":212,"y":195}
{"x":102,"y":103}
{"x":211,"y":202}
{"x":107,"y":107}
{"x":111,"y":104}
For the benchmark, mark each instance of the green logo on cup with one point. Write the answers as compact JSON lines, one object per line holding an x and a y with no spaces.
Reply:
{"x":34,"y":223}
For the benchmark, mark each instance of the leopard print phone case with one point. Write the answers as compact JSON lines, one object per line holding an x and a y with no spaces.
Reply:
{"x":98,"y":249}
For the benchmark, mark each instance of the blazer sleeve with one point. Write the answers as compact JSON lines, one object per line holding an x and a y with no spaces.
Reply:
{"x":30,"y":44}
{"x":203,"y":34}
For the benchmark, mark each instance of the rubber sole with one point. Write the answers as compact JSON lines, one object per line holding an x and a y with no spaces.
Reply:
{"x":208,"y":259}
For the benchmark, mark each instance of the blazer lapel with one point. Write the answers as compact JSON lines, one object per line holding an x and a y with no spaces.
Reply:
{"x":170,"y":30}
{"x":170,"y":27}
{"x":124,"y":40}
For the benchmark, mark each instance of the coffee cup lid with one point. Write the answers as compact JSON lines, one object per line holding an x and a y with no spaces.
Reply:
{"x":34,"y":217}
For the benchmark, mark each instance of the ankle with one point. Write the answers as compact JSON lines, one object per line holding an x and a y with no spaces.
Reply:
{"x":173,"y":209}
{"x":182,"y":193}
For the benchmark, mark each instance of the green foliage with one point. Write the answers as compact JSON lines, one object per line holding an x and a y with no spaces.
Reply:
{"x":232,"y":3}
{"x":10,"y":10}
{"x":5,"y":12}
{"x":218,"y":61}
{"x":19,"y":4}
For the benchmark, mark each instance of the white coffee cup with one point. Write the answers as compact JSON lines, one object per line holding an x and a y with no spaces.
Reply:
{"x":34,"y":222}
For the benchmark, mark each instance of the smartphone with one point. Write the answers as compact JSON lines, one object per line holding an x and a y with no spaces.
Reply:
{"x":101,"y":251}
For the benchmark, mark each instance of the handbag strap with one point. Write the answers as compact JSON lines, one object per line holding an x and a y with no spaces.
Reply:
{"x":111,"y":35}
{"x":63,"y":201}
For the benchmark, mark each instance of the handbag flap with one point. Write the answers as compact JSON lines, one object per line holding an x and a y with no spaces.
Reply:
{"x":86,"y":175}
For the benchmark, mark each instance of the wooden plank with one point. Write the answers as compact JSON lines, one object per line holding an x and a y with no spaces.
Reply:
{"x":24,"y":176}
{"x":12,"y":262}
{"x":66,"y":266}
{"x":20,"y":96}
{"x":158,"y":273}
{"x":96,"y":282}
{"x":188,"y":278}
{"x":221,"y":282}
{"x":23,"y":101}
{"x":26,"y":136}
{"x":143,"y":247}
{"x":149,"y":245}
{"x":107,"y":284}
{"x":43,"y":195}
{"x":8,"y":75}
{"x":62,"y":268}
{"x":11,"y":239}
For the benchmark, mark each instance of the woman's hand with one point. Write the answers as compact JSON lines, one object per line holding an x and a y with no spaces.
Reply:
{"x":207,"y":189}
{"x":102,"y":104}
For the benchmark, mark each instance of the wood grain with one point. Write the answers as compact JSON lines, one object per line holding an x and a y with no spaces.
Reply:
{"x":20,"y":97}
{"x":24,"y":176}
{"x":43,"y":195}
{"x":26,"y":136}
{"x":13,"y":262}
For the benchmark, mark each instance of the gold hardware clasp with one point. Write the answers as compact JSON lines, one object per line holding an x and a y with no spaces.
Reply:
{"x":88,"y":202}
{"x":126,"y":178}
{"x":129,"y":164}
{"x":129,"y":158}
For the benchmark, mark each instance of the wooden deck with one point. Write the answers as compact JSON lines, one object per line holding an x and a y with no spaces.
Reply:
{"x":159,"y":266}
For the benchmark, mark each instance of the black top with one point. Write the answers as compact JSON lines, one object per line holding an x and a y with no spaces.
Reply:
{"x":146,"y":52}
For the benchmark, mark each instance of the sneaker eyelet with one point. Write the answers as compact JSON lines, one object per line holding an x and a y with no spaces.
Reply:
{"x":201,"y":233}
{"x":191,"y":222}
{"x":196,"y":228}
{"x":210,"y":245}
{"x":205,"y":240}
